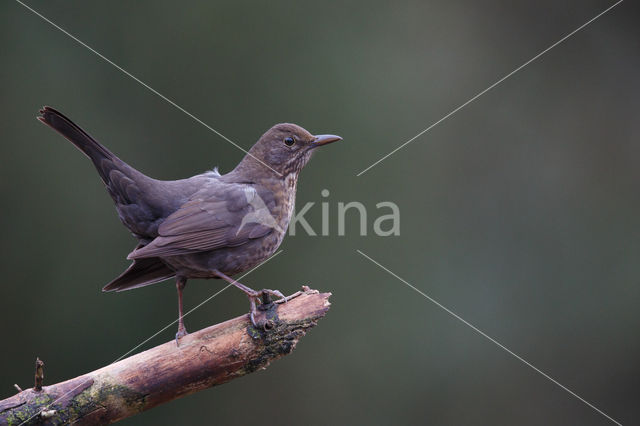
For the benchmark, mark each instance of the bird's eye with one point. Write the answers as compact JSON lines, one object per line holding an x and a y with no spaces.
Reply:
{"x":289,"y":141}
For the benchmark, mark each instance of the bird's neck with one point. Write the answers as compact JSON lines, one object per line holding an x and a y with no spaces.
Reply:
{"x":282,"y":187}
{"x":284,"y":190}
{"x":285,"y":194}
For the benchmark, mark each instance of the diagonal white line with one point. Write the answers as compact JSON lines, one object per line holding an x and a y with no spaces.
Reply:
{"x":142,"y":83}
{"x":490,"y":87}
{"x":494,"y":341}
{"x":154,"y":335}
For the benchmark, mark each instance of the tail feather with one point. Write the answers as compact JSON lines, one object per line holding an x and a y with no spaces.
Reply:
{"x":130,"y":190}
{"x":83,"y":141}
{"x":141,"y":273}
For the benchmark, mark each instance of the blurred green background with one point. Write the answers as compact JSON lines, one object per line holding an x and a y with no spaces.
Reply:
{"x":521,"y":212}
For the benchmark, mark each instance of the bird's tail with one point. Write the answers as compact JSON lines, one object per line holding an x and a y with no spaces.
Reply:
{"x":129,"y":188}
{"x":142,"y":272}
{"x":104,"y":160}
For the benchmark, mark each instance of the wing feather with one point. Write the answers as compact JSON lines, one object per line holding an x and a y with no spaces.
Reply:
{"x":213,"y":218}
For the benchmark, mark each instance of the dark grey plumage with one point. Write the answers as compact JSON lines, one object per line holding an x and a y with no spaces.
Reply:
{"x":206,"y":226}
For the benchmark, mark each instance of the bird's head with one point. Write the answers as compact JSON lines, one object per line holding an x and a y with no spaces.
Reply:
{"x":284,"y":149}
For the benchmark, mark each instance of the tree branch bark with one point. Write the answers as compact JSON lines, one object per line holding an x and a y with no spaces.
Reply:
{"x":209,"y":357}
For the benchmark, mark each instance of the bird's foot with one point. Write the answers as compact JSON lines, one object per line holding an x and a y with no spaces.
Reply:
{"x":266,"y":294}
{"x":182,"y":331}
{"x":261,"y":300}
{"x":258,"y":300}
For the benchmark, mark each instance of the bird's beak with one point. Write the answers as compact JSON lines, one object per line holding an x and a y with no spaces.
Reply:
{"x":325,"y":139}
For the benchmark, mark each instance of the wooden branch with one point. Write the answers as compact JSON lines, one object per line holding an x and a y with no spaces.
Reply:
{"x":209,"y":357}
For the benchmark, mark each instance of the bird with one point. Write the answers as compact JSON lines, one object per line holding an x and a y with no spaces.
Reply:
{"x":210,"y":225}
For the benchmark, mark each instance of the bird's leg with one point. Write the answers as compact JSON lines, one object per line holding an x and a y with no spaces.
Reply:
{"x":251,"y":294}
{"x":181,"y":283}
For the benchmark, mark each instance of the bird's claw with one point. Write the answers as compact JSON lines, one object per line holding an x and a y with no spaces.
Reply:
{"x":180,"y":334}
{"x":263,"y":298}
{"x":276,"y":293}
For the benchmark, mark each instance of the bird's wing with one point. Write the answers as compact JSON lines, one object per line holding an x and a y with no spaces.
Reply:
{"x":211,"y":219}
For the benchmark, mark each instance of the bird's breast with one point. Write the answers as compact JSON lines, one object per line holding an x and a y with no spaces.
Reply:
{"x":285,"y":194}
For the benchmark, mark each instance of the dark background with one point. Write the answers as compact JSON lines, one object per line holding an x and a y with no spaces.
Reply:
{"x":521,"y":212}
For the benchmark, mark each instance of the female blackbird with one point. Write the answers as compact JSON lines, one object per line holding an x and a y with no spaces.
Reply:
{"x":206,"y":226}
